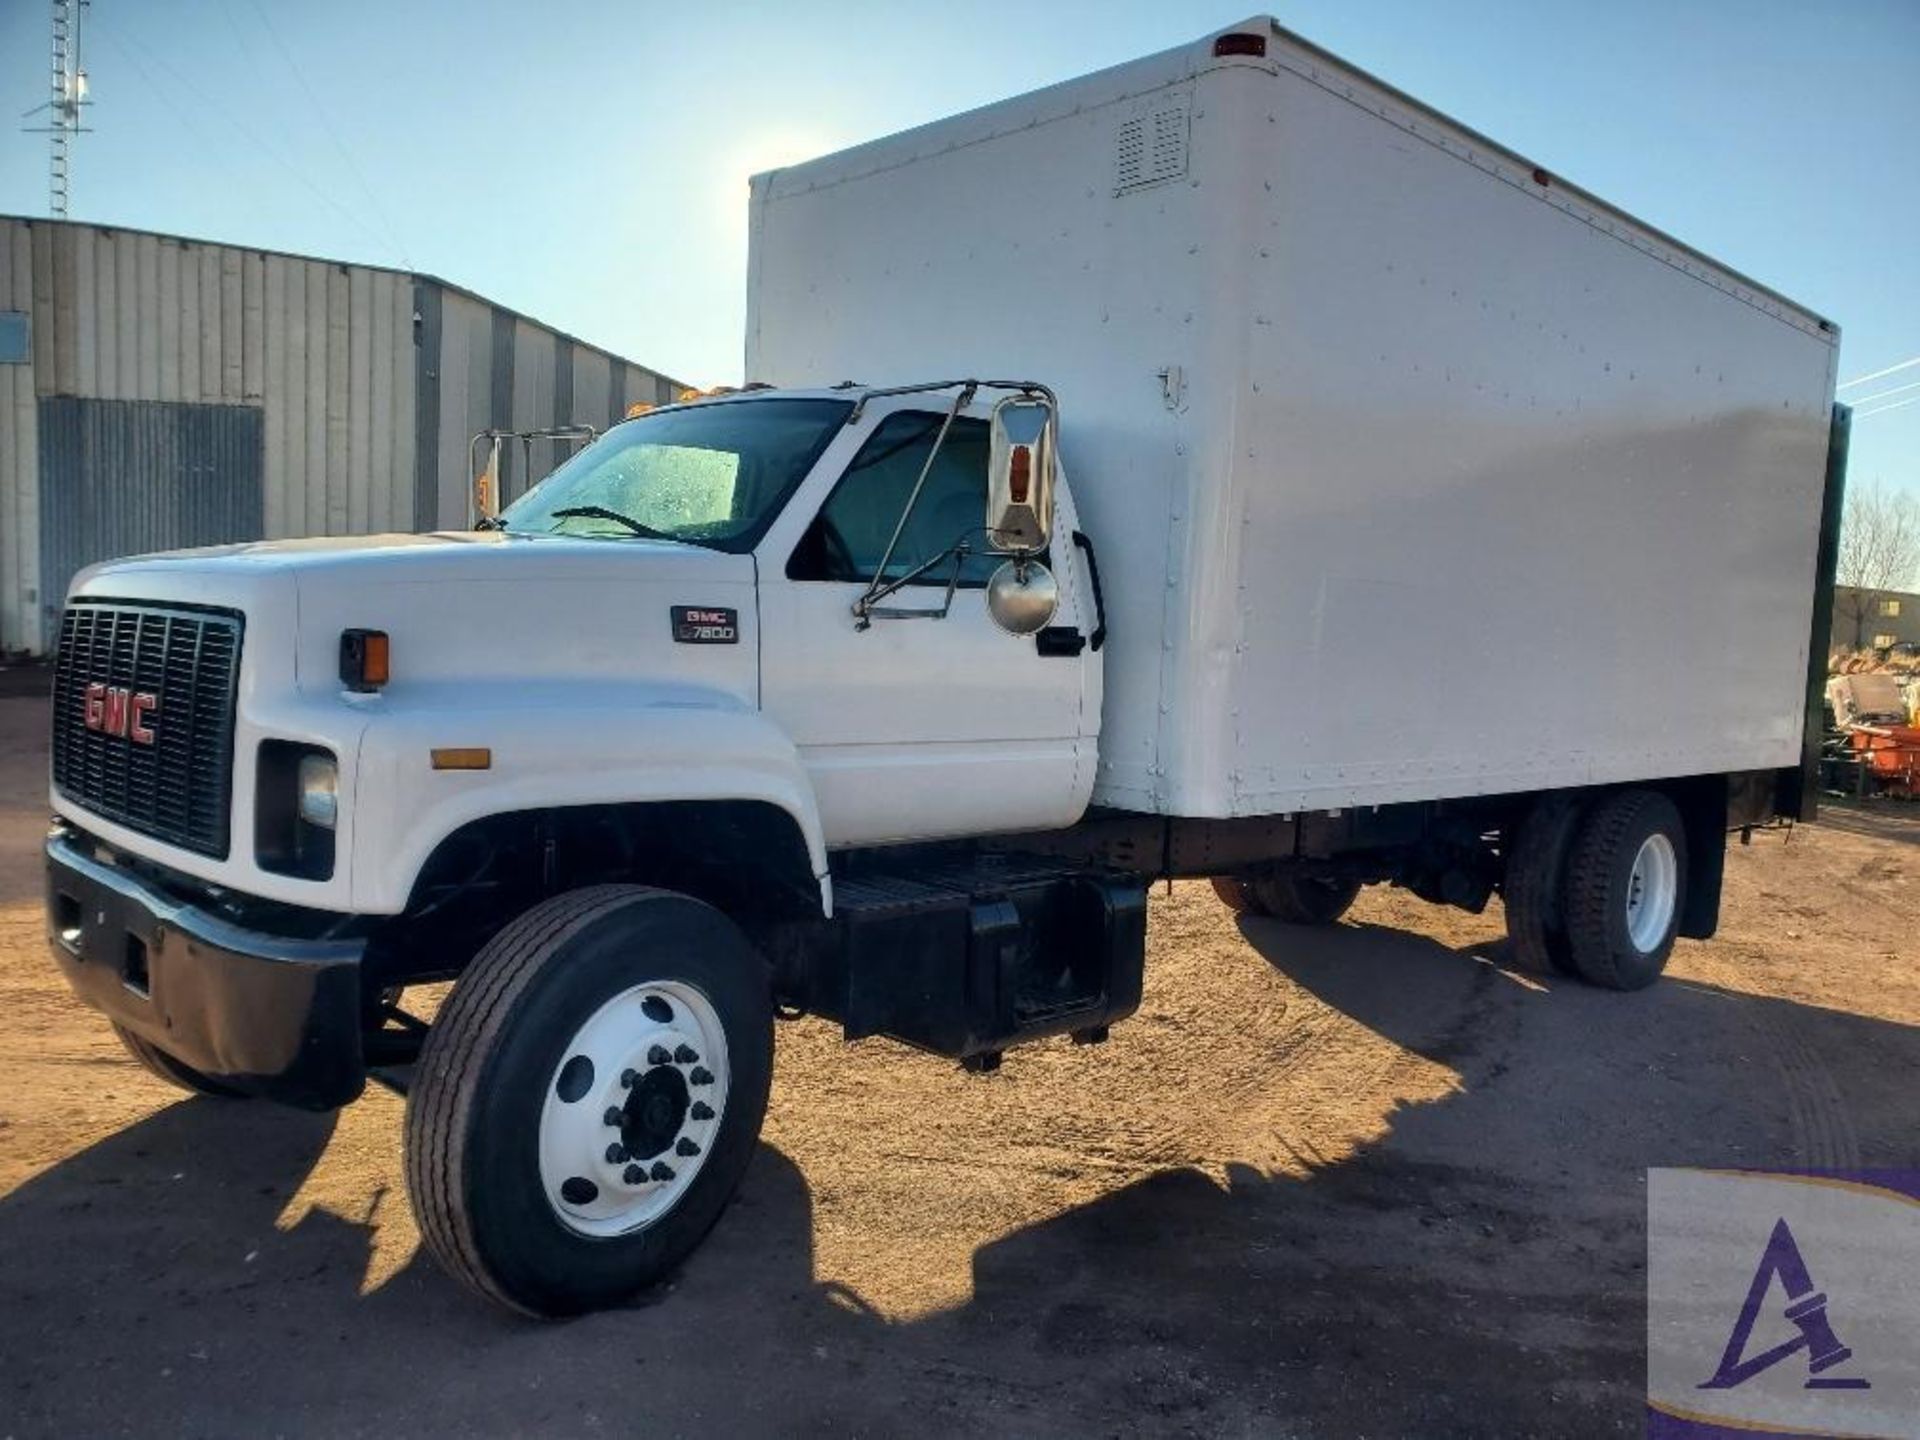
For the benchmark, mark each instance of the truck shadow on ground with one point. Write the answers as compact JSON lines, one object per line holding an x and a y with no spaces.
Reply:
{"x":1477,"y":1269}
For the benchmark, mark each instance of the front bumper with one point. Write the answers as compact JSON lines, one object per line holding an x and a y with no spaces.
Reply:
{"x":272,"y":1016}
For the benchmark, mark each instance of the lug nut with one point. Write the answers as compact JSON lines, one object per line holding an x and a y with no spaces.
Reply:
{"x":700,"y":1076}
{"x":614,"y":1116}
{"x":659,"y":1055}
{"x":661,"y":1170}
{"x":633,"y":1175}
{"x":627,"y":1077}
{"x":701,"y":1110}
{"x":615,"y":1154}
{"x":684,"y":1146}
{"x":685,"y":1055}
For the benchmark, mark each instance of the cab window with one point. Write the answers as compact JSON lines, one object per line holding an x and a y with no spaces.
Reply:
{"x":849,"y":536}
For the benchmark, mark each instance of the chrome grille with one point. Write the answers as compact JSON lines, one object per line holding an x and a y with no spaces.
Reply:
{"x":179,"y":788}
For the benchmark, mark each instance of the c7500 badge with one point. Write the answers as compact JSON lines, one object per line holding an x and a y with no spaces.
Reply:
{"x":705,"y":625}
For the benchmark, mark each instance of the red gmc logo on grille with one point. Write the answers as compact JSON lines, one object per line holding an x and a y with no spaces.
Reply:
{"x":118,"y":710}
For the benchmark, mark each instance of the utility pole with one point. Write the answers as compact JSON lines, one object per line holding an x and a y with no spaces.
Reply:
{"x":69,"y":97}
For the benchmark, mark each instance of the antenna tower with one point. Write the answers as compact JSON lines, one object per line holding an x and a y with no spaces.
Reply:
{"x":64,"y":109}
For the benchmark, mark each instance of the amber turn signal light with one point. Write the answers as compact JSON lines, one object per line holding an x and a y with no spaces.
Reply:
{"x":469,"y":758}
{"x":363,"y":660}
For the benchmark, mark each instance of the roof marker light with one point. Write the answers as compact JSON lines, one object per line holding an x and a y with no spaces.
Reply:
{"x":1240,"y":43}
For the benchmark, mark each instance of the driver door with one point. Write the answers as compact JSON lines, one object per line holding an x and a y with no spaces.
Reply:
{"x":922,"y":728}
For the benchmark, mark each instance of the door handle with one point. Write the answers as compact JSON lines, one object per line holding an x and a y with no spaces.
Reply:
{"x":1061,"y":640}
{"x":1099,"y":601}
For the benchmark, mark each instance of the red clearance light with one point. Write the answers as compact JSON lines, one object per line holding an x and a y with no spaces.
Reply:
{"x":1240,"y":43}
{"x":1019,"y":474}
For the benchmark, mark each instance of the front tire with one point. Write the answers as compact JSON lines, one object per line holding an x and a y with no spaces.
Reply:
{"x":1625,"y":888}
{"x":589,"y":1098}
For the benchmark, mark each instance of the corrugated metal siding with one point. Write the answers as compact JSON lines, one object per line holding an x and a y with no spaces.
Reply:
{"x":124,"y":477}
{"x":466,"y":388}
{"x":592,"y":395}
{"x":499,"y":370}
{"x":426,"y":405}
{"x":532,"y":400}
{"x":19,"y":457}
{"x":326,"y":351}
{"x":365,"y":411}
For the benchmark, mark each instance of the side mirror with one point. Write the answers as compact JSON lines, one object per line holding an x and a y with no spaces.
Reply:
{"x":1020,"y":475}
{"x":1022,"y":597}
{"x":485,"y":500}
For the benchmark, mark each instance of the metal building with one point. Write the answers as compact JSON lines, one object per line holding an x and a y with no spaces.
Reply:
{"x":157,"y":392}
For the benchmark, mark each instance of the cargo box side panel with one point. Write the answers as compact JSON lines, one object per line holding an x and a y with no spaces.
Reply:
{"x":1061,"y":238}
{"x":1525,"y":501}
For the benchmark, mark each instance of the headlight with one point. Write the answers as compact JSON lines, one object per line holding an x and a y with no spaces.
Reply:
{"x":296,"y":808}
{"x":319,"y":786}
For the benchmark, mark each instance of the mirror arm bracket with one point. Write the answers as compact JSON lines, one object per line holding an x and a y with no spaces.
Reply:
{"x":878,"y":588}
{"x":866,"y":612}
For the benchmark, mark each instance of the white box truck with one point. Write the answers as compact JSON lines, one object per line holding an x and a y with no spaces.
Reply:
{"x":1221,"y":466}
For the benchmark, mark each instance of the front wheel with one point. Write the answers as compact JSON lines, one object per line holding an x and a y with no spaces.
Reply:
{"x":589,"y":1098}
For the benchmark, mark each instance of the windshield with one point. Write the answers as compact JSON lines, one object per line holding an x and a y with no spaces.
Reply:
{"x":713,"y":475}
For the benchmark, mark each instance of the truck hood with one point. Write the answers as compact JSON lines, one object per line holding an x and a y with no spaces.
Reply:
{"x":460,"y":606}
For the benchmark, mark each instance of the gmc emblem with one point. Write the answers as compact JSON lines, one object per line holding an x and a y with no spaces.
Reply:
{"x":117,"y":710}
{"x":706,"y":625}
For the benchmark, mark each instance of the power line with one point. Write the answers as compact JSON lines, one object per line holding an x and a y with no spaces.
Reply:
{"x":250,"y":133}
{"x":1883,"y":394}
{"x":210,"y":143}
{"x":326,"y":124}
{"x":1896,"y":405}
{"x":1903,"y":365}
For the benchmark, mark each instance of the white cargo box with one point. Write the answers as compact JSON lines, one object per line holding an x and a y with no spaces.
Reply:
{"x":1414,"y":472}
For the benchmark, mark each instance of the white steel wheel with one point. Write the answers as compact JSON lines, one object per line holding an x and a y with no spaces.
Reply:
{"x":632,"y":1110}
{"x":1653,"y":891}
{"x":1625,"y":888}
{"x":589,"y":1098}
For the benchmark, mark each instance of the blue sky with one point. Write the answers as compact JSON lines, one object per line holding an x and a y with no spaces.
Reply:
{"x":587,"y":162}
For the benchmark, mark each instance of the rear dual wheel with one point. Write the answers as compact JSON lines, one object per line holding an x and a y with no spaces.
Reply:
{"x":1596,"y":888}
{"x":1626,"y":879}
{"x":589,"y":1098}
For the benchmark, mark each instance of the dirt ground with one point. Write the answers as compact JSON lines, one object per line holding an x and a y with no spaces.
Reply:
{"x":1365,"y":1180}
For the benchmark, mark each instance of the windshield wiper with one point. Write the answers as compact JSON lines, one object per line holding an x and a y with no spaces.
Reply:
{"x":601,"y":512}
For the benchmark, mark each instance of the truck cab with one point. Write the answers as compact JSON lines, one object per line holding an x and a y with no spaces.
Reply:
{"x":727,"y":640}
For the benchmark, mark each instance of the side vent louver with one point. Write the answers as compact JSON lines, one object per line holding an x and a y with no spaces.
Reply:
{"x":1151,"y":146}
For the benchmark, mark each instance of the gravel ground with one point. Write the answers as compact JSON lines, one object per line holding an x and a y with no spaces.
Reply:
{"x":1363,"y":1180}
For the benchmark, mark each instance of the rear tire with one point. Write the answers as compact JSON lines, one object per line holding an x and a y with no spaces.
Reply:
{"x":184,"y":1077}
{"x":1625,"y":889}
{"x":1234,"y":895}
{"x":1535,"y":878}
{"x":601,"y":1021}
{"x":1288,"y":896}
